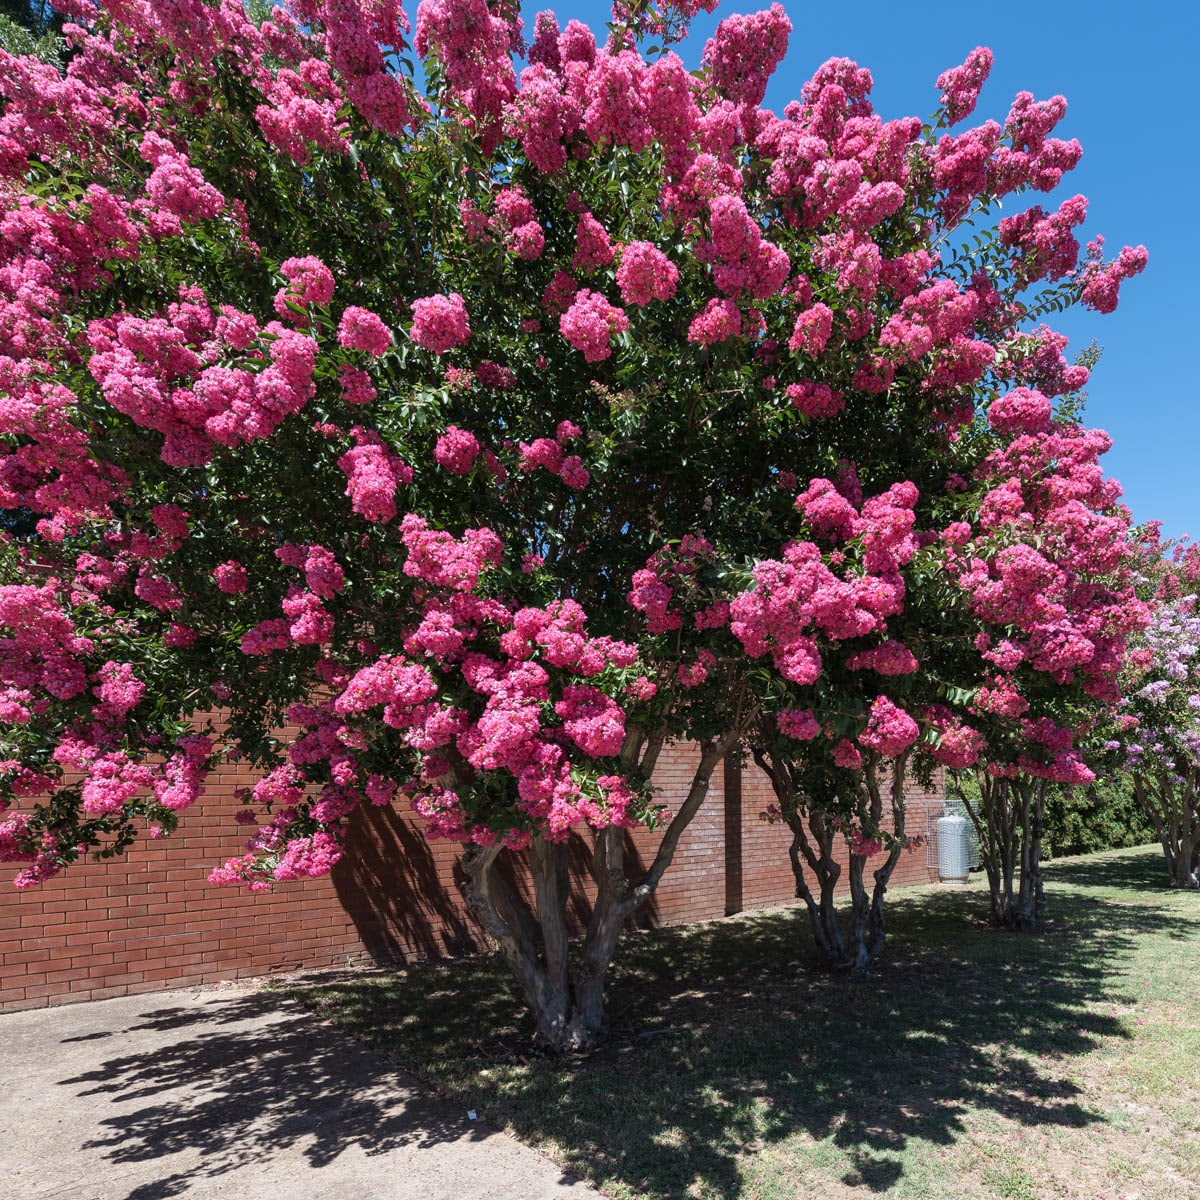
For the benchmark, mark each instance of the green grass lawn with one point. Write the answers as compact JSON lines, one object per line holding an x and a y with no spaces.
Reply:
{"x":974,"y":1064}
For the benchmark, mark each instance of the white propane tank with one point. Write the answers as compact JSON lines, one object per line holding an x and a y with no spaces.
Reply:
{"x":953,"y":864}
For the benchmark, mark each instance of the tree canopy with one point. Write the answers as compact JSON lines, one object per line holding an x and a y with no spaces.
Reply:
{"x":475,"y":438}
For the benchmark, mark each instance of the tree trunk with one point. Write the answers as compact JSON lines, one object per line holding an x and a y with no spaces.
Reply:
{"x":1009,"y":826}
{"x":874,"y":929}
{"x":1173,"y":805}
{"x":851,"y":943}
{"x":822,"y":912}
{"x":1030,"y":899}
{"x":877,"y":924}
{"x":567,"y":1002}
{"x":505,"y":917}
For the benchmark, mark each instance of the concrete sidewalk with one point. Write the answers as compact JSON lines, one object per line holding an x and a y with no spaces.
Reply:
{"x":234,"y":1093}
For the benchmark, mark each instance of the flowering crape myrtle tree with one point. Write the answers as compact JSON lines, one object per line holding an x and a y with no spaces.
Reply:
{"x":1158,"y":728}
{"x":1020,"y":600}
{"x":1016,"y":577}
{"x":1040,"y":601}
{"x":448,"y":441}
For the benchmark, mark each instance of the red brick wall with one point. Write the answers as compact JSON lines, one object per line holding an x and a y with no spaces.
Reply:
{"x":150,"y":920}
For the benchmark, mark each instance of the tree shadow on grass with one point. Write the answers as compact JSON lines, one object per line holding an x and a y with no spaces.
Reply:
{"x":728,"y":1039}
{"x":241,"y":1082}
{"x":1141,"y":869}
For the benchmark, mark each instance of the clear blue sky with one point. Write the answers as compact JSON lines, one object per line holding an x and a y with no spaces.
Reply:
{"x":1129,"y":73}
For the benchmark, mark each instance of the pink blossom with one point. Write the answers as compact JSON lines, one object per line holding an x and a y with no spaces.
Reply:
{"x":744,"y":52}
{"x":542,"y":115}
{"x":798,"y":723}
{"x":1101,"y":283}
{"x":592,"y":247}
{"x":1020,"y":411}
{"x":614,"y":106}
{"x":361,"y":329}
{"x":594,"y":722}
{"x":438,"y":558}
{"x":456,"y":450}
{"x":590,"y":323}
{"x":308,"y":857}
{"x":890,"y":730}
{"x":175,"y":185}
{"x":652,"y":596}
{"x":475,"y":48}
{"x":646,"y":274}
{"x":559,"y":293}
{"x":440,"y":322}
{"x":889,"y":658}
{"x":230,"y":577}
{"x":959,"y":746}
{"x":119,"y":689}
{"x":573,"y":473}
{"x":310,"y":281}
{"x":356,"y":385}
{"x":718,"y":322}
{"x":814,"y":399}
{"x":310,"y":623}
{"x":811,"y":330}
{"x":846,"y":755}
{"x":961,"y":85}
{"x":828,"y":511}
{"x":322,"y":572}
{"x":373,"y":473}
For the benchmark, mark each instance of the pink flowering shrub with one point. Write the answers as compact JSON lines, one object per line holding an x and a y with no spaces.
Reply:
{"x":456,"y":450}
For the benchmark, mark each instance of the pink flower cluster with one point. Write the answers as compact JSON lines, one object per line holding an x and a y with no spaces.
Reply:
{"x":456,"y":450}
{"x":813,"y":399}
{"x":1062,"y":598}
{"x":890,"y":730}
{"x":744,"y":52}
{"x":361,"y":329}
{"x":475,"y":48}
{"x":961,"y":85}
{"x":175,"y":186}
{"x":440,"y":559}
{"x":592,"y":247}
{"x":1101,"y":283}
{"x":516,"y":223}
{"x":550,"y":455}
{"x":798,"y":723}
{"x":373,"y":473}
{"x":748,"y":264}
{"x":811,"y":330}
{"x":440,"y":322}
{"x":230,"y":577}
{"x":301,"y":111}
{"x":888,"y":658}
{"x":589,"y":325}
{"x":1020,"y":411}
{"x":719,"y":321}
{"x":310,"y":281}
{"x":646,"y":274}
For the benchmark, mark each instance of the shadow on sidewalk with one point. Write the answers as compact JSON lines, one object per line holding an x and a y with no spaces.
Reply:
{"x":246,"y":1079}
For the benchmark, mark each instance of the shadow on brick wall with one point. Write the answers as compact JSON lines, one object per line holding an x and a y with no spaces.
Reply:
{"x":397,"y":889}
{"x":403,"y":893}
